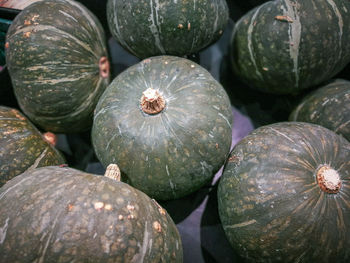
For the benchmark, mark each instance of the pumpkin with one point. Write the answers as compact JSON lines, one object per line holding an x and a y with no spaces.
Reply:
{"x":328,"y":106}
{"x":284,"y":195}
{"x":158,"y":27}
{"x":286,"y":46}
{"x":57,"y":61}
{"x":167,"y":123}
{"x":59,"y":214}
{"x":22,"y":146}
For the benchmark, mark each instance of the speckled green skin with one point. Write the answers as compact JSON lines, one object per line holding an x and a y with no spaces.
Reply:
{"x":153,"y":27}
{"x":328,"y":106}
{"x":55,"y":214}
{"x":53,"y":54}
{"x":22,"y":147}
{"x":286,"y":57}
{"x":172,"y":153}
{"x":270,"y":204}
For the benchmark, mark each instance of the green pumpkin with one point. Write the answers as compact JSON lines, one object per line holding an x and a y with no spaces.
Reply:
{"x":285,"y":46}
{"x":22,"y":146}
{"x":328,"y":106}
{"x":284,"y":195}
{"x":158,"y":27}
{"x":59,"y":214}
{"x":57,"y":60}
{"x":167,"y":123}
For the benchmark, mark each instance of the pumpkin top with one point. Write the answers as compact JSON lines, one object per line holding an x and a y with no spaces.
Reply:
{"x":152,"y":102}
{"x":328,"y":179}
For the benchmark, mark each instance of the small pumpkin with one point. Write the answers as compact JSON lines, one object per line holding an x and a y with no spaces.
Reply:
{"x":167,"y":123}
{"x":328,"y":106}
{"x":159,"y":27}
{"x":59,"y":214}
{"x":57,"y":60}
{"x":284,"y":195}
{"x":286,"y":46}
{"x":22,"y":146}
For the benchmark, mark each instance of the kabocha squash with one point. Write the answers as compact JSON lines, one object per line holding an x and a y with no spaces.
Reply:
{"x":57,"y":60}
{"x":22,"y":146}
{"x":286,"y":46}
{"x":284,"y":195}
{"x":158,"y":27}
{"x":55,"y":214}
{"x":167,"y":123}
{"x":328,"y":106}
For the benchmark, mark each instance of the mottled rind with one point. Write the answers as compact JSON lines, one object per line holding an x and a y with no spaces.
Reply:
{"x":55,"y":214}
{"x":328,"y":106}
{"x":53,"y":54}
{"x":159,"y":27}
{"x":172,"y":153}
{"x":22,"y":146}
{"x":270,"y":204}
{"x":285,"y":46}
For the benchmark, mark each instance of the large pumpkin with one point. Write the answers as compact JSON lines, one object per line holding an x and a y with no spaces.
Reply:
{"x":22,"y":146}
{"x":328,"y":106}
{"x":284,"y":195}
{"x":158,"y":27}
{"x":285,"y":46}
{"x":55,"y":214}
{"x":167,"y":123}
{"x":57,"y":60}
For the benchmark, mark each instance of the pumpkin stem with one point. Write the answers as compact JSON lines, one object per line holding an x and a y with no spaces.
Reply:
{"x":328,"y":179}
{"x":113,"y":172}
{"x":104,"y":67}
{"x":51,"y":138}
{"x":152,"y":102}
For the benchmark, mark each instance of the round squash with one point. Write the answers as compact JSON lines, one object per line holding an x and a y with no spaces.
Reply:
{"x":22,"y":146}
{"x":285,"y":46}
{"x":55,"y":214}
{"x":328,"y":106}
{"x":284,"y":195}
{"x":57,"y":60}
{"x":158,"y":27}
{"x":167,"y":123}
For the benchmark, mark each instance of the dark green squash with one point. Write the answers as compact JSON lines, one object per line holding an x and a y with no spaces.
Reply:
{"x":56,"y":214}
{"x":57,"y":60}
{"x":284,"y":195}
{"x":328,"y":106}
{"x":285,"y":46}
{"x":158,"y":27}
{"x":22,"y":146}
{"x":173,"y":143}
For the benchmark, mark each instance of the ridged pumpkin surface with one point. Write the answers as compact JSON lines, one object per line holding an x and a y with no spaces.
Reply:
{"x":53,"y":53}
{"x":54,"y":214}
{"x":328,"y":106}
{"x":22,"y":146}
{"x":285,"y":46}
{"x":271,"y":205}
{"x":172,"y":153}
{"x":159,"y":27}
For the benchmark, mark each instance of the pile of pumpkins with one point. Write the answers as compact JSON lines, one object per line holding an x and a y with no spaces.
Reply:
{"x":166,"y":123}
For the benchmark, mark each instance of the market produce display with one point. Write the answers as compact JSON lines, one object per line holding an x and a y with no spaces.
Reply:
{"x":284,"y":195}
{"x":159,"y":27}
{"x":22,"y":146}
{"x":57,"y":59}
{"x":328,"y":106}
{"x":59,"y":214}
{"x":167,"y":123}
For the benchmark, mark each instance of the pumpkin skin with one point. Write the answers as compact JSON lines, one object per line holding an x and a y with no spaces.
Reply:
{"x":328,"y":106}
{"x":54,"y":214}
{"x":22,"y":146}
{"x":270,"y":204}
{"x":159,"y":27}
{"x":175,"y":152}
{"x":286,"y":46}
{"x":57,"y":60}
